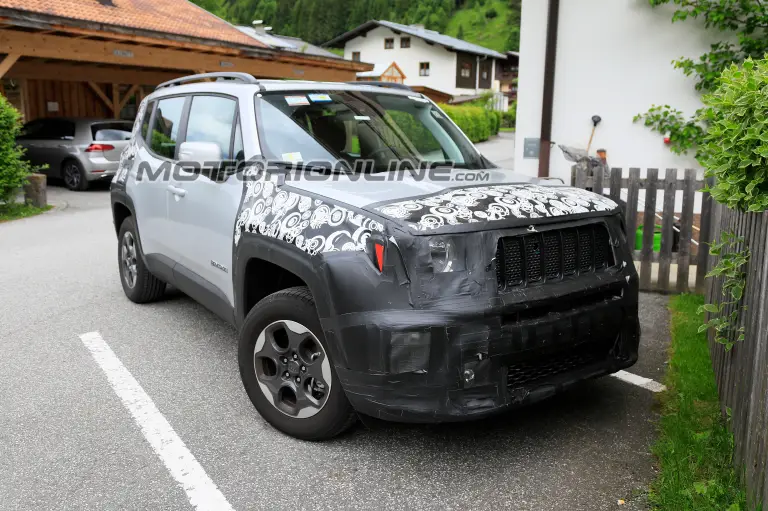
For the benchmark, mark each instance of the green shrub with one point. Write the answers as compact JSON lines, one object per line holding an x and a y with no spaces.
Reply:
{"x":13,"y":168}
{"x":476,"y":122}
{"x":735,"y":149}
{"x":491,"y":13}
{"x":509,"y":118}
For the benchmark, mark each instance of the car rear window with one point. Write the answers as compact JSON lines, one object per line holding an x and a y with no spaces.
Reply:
{"x":111,"y":131}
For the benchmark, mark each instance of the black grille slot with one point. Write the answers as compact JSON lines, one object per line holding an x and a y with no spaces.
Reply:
{"x":552,"y":255}
{"x":586,"y":250}
{"x":532,"y":258}
{"x":548,"y":366}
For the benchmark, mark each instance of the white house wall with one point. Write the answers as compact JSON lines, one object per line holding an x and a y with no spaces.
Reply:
{"x":614,"y":60}
{"x":442,"y":63}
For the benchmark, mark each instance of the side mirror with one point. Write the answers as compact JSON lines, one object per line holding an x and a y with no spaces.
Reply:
{"x":200,"y":152}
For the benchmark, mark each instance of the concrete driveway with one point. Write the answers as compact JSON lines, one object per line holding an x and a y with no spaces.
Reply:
{"x":68,"y":441}
{"x":500,"y":149}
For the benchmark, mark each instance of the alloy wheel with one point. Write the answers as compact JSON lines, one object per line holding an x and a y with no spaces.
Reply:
{"x":72,"y":176}
{"x":128,"y":259}
{"x":292,"y":369}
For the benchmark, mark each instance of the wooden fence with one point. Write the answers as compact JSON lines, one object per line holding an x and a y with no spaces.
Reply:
{"x":677,"y":266}
{"x":742,"y":372}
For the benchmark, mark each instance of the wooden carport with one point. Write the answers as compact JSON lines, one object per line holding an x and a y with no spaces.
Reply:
{"x":57,"y":66}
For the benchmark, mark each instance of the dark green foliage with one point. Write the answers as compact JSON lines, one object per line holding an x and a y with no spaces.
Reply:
{"x":509,"y":119}
{"x":460,"y":34}
{"x":319,"y":21}
{"x":13,"y":168}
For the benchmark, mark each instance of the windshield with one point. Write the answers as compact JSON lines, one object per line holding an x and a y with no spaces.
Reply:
{"x":361,"y":131}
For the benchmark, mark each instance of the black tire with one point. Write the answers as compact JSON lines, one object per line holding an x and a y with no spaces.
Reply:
{"x":73,"y":175}
{"x":297,"y":305}
{"x":146,"y":287}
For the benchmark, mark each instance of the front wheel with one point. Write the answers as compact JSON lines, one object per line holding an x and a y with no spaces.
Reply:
{"x":286,"y":370}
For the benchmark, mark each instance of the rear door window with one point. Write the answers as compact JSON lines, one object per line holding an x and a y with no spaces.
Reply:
{"x":211,"y":119}
{"x":111,"y":131}
{"x":165,"y":132}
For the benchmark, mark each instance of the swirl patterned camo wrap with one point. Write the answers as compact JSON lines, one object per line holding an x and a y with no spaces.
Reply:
{"x":490,"y":203}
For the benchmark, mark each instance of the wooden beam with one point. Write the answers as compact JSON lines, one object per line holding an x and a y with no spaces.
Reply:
{"x":128,"y":95}
{"x":95,"y":88}
{"x":8,"y":62}
{"x":66,"y":48}
{"x":74,"y":72}
{"x":115,"y":100}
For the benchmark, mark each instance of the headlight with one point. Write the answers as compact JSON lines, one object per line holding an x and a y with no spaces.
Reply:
{"x":443,"y":256}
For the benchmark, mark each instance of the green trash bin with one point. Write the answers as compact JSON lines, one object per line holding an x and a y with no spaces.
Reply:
{"x":656,"y":238}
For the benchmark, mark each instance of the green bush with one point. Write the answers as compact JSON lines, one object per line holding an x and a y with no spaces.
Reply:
{"x":509,"y":118}
{"x":476,"y":122}
{"x":735,"y":149}
{"x":491,"y":13}
{"x":13,"y":168}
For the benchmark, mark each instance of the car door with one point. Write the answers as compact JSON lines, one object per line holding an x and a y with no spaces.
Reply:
{"x":152,"y":180}
{"x":54,"y":144}
{"x":31,"y":138}
{"x":205,"y":205}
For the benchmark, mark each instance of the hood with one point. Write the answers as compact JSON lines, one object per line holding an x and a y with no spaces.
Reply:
{"x":429,"y":206}
{"x":362,"y":191}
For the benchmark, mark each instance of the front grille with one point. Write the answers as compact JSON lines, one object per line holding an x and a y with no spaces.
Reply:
{"x":539,"y":257}
{"x":547,"y":367}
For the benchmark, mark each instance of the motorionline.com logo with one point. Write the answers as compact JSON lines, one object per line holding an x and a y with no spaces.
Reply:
{"x":364,"y":170}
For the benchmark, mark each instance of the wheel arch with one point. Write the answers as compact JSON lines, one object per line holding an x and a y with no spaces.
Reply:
{"x":284,"y":265}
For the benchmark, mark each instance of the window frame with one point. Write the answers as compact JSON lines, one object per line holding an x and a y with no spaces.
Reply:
{"x":424,"y":71}
{"x":183,"y":122}
{"x":356,"y":56}
{"x":389,"y":43}
{"x":405,"y":42}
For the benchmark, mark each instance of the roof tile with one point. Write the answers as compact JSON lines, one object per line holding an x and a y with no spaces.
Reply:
{"x":178,"y":17}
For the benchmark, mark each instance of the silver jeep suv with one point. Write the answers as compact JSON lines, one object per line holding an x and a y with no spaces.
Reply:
{"x":373,"y":262}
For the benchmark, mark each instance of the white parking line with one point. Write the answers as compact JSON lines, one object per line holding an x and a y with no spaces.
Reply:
{"x":201,"y":491}
{"x":640,"y":381}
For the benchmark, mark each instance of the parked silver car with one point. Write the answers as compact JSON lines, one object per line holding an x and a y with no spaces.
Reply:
{"x":77,"y":150}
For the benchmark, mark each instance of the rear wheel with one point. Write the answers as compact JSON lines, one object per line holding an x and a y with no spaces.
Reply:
{"x":139,"y":284}
{"x":74,"y":175}
{"x":286,"y":369}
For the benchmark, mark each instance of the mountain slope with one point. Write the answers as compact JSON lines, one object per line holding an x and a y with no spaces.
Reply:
{"x":490,"y":23}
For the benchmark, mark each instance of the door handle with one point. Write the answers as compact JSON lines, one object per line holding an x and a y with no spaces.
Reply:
{"x":179,"y":192}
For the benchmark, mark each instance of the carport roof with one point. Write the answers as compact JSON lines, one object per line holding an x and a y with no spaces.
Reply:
{"x":178,"y":17}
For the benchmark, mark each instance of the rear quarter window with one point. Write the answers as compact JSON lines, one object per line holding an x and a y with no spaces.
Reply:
{"x":112,"y":131}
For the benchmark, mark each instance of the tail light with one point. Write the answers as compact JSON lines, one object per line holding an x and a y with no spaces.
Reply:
{"x":375,"y":248}
{"x":99,"y":147}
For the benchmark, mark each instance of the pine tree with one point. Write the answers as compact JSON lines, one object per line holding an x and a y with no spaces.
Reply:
{"x":460,"y":33}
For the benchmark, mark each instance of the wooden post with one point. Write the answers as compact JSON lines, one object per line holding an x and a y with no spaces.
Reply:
{"x":35,"y":192}
{"x":616,"y":185}
{"x":115,"y":100}
{"x":667,"y":232}
{"x":686,"y":231}
{"x":705,"y":234}
{"x":649,"y":225}
{"x":633,"y":190}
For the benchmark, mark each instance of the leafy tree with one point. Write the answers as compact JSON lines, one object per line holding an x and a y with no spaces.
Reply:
{"x":743,"y":24}
{"x":13,"y":168}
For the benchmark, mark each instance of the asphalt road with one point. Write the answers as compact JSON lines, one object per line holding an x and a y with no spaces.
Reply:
{"x":68,"y":442}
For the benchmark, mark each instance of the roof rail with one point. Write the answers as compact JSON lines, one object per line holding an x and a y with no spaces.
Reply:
{"x":389,"y":85}
{"x":236,"y":77}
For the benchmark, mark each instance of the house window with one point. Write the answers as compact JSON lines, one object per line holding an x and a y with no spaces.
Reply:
{"x":484,"y":75}
{"x":423,"y":68}
{"x":389,"y":43}
{"x":466,"y":70}
{"x":405,"y":42}
{"x":356,"y":56}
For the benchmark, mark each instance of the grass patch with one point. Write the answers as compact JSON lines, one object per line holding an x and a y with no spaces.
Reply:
{"x":507,"y":130}
{"x":19,"y":210}
{"x":478,"y":28}
{"x":695,"y":448}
